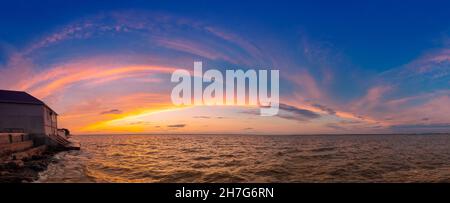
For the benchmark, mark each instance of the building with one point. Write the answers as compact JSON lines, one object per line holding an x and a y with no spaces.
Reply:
{"x":22,"y":113}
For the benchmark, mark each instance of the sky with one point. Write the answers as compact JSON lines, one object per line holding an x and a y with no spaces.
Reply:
{"x":345,"y":67}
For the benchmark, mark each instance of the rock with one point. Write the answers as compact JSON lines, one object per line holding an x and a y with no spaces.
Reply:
{"x":37,"y":166}
{"x":18,"y":171}
{"x":13,"y":165}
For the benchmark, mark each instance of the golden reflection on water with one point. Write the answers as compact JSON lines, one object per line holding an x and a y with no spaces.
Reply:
{"x":252,"y":158}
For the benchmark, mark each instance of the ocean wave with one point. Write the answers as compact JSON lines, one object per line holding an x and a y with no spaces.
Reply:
{"x":251,"y":158}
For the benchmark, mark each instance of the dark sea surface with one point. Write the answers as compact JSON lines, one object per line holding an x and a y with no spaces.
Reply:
{"x":254,"y":158}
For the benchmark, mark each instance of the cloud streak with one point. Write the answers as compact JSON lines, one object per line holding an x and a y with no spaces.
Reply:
{"x":177,"y":126}
{"x":112,"y":111}
{"x":288,"y":112}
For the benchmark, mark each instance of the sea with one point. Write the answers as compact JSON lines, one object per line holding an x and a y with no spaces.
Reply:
{"x":253,"y":158}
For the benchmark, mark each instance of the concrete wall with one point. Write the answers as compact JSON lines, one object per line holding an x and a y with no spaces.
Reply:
{"x":50,"y":121}
{"x":8,"y":138}
{"x":28,"y":117}
{"x":37,"y":120}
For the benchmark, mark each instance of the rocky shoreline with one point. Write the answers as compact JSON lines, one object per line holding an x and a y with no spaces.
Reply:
{"x":26,"y":170}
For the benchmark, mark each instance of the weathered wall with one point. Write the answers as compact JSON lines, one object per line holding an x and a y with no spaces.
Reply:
{"x":22,"y":116}
{"x":50,"y":121}
{"x":8,"y":138}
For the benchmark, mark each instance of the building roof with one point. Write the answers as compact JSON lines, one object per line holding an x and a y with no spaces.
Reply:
{"x":7,"y":96}
{"x":19,"y":97}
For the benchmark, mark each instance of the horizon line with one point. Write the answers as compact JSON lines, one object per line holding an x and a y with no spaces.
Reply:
{"x":318,"y":134}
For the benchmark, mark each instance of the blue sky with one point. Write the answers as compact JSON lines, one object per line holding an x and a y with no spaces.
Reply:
{"x":384,"y":61}
{"x":374,"y":34}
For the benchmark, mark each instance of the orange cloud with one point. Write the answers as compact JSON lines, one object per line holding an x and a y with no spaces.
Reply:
{"x":88,"y":116}
{"x":47,"y":83}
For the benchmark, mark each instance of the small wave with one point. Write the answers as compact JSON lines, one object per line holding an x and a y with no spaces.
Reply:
{"x":227,"y":156}
{"x":223,"y":177}
{"x":182,"y":176}
{"x":324,"y":149}
{"x":232,"y":163}
{"x":202,"y":158}
{"x":278,"y":173}
{"x":200,"y":165}
{"x":190,"y":150}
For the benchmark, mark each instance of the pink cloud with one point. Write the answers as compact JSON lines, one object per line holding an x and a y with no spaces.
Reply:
{"x":16,"y":69}
{"x":86,"y":73}
{"x":306,"y":84}
{"x":244,"y":44}
{"x":372,"y":98}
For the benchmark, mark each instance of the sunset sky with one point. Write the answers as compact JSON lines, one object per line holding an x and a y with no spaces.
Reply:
{"x":347,"y":67}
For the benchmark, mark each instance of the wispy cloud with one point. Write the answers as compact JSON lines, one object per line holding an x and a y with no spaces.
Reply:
{"x":202,"y":117}
{"x":297,"y":113}
{"x":420,"y":127}
{"x":289,"y":112}
{"x":112,"y":111}
{"x":53,"y":80}
{"x":177,"y":126}
{"x":324,"y":108}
